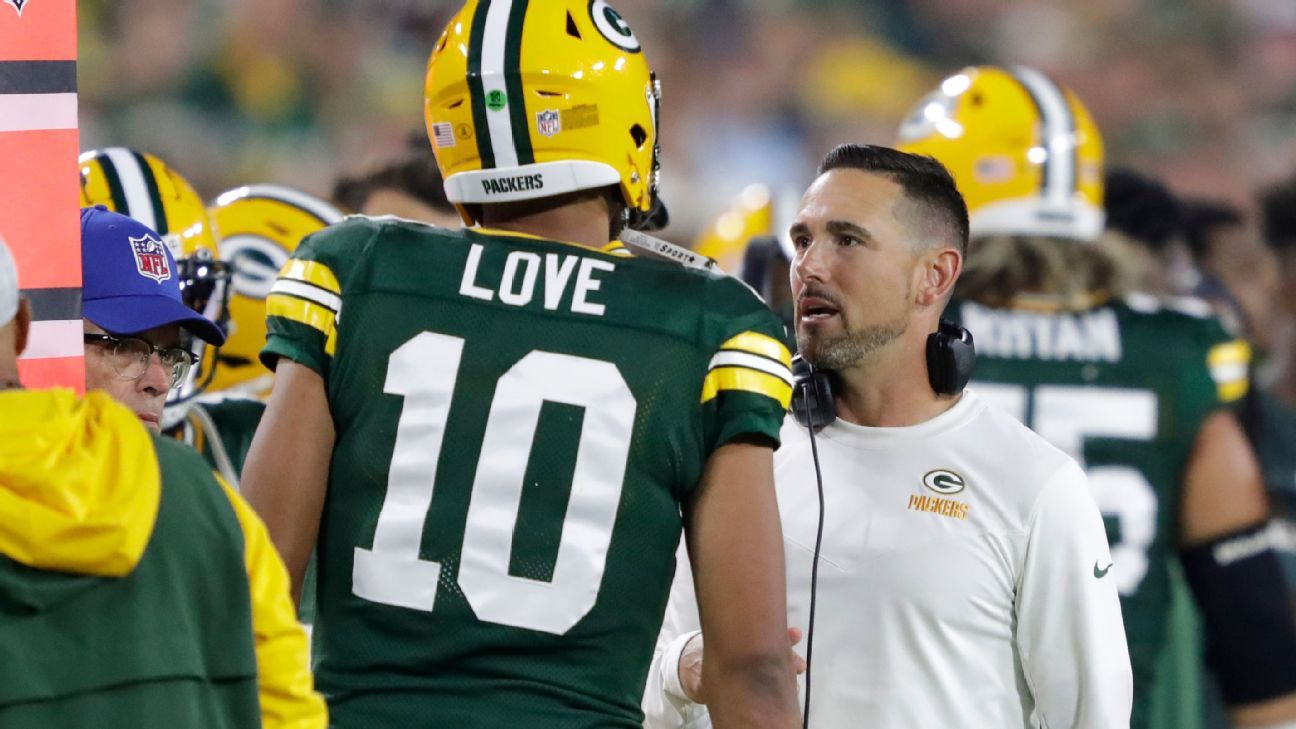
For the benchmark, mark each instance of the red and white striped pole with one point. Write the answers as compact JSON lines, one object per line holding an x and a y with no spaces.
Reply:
{"x":39,"y":191}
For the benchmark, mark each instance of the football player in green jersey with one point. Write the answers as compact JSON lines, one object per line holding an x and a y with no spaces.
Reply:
{"x":1136,"y":390}
{"x":495,"y":434}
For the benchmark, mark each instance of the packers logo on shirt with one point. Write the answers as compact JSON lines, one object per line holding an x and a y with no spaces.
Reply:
{"x":943,"y":481}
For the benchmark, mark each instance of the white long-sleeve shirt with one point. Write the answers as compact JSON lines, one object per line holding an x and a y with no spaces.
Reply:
{"x":963,"y":582}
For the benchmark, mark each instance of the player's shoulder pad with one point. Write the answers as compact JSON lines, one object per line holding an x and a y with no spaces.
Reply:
{"x":1188,"y":317}
{"x":1197,"y":339}
{"x":726,"y":292}
{"x":1172,"y":307}
{"x":338,"y":241}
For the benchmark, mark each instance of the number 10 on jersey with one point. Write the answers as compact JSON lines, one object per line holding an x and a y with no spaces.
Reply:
{"x":424,"y":370}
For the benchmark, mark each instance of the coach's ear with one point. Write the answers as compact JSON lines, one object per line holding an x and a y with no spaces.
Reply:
{"x":22,"y":325}
{"x":937,"y":271}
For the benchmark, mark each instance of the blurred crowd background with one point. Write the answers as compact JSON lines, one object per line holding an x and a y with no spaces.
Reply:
{"x":1201,"y":93}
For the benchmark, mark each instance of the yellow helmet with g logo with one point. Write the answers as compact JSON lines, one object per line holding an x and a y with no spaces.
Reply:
{"x":529,"y":100}
{"x":1024,"y":151}
{"x":260,"y":226}
{"x":141,"y":186}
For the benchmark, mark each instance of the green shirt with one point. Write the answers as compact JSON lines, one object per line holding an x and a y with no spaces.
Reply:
{"x":518,"y":423}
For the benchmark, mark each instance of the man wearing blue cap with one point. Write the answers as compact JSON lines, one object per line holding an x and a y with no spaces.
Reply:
{"x":132,"y":310}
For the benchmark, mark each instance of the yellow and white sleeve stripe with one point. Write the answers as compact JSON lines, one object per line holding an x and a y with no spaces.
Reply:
{"x":751,"y":362}
{"x":308,"y":293}
{"x":1229,"y":363}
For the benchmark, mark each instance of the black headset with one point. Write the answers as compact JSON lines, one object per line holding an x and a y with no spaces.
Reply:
{"x":950,"y":357}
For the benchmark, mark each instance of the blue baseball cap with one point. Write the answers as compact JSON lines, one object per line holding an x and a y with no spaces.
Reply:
{"x":129,"y":278}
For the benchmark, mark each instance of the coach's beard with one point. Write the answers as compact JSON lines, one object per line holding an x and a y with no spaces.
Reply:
{"x":841,"y":351}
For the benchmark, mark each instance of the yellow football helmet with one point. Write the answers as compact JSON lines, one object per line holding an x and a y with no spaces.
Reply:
{"x":143,"y":187}
{"x":1024,"y":151}
{"x":260,"y":226}
{"x":532,"y":100}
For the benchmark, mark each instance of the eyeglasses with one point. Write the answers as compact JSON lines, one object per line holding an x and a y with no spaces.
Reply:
{"x":130,"y":357}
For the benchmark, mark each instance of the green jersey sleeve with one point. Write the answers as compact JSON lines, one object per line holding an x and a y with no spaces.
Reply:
{"x":304,"y":307}
{"x":748,"y":384}
{"x":1217,"y":366}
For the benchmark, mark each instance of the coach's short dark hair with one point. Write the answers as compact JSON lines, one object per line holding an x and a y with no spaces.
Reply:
{"x":940,"y":208}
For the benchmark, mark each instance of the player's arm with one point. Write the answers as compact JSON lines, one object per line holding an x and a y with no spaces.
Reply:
{"x":736,"y":548}
{"x":1070,"y":634}
{"x":284,"y":682}
{"x":285,"y":477}
{"x":1236,"y":577}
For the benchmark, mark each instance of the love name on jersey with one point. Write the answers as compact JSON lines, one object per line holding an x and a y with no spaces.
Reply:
{"x":521,"y":278}
{"x":1092,"y":336}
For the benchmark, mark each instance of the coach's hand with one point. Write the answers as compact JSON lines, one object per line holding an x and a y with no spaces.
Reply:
{"x":690,"y":665}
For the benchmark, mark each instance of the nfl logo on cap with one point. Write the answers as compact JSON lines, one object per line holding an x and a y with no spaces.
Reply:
{"x":150,"y":258}
{"x":548,"y":122}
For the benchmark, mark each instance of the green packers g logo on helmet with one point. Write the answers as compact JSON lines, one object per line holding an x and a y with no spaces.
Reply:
{"x":613,"y":27}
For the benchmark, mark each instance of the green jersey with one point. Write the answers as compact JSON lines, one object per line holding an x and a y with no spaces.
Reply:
{"x":518,"y":423}
{"x":1123,"y":388}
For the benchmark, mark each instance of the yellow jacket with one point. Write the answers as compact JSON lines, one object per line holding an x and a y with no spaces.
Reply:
{"x":79,"y":492}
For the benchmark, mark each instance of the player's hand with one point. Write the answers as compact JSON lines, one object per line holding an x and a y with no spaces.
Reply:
{"x":690,"y":665}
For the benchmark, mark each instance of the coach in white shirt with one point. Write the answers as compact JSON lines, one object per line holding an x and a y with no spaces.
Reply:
{"x":963,"y":577}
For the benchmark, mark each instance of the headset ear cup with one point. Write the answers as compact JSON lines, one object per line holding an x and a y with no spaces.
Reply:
{"x":812,"y":398}
{"x":951,"y":356}
{"x":964,"y":355}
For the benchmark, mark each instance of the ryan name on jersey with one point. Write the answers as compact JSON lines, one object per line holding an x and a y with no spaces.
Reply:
{"x":521,"y":277}
{"x":1088,"y":336}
